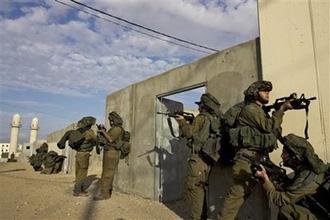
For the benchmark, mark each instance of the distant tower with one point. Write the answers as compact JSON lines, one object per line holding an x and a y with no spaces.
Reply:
{"x":15,"y":126}
{"x":34,"y":130}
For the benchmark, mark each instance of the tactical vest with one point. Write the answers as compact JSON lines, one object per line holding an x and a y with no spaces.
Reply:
{"x":122,"y":144}
{"x":114,"y":144}
{"x":251,"y":137}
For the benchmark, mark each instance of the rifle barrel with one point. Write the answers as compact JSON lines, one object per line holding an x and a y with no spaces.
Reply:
{"x":312,"y":98}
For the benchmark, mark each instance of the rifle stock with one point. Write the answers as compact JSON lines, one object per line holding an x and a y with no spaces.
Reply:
{"x":187,"y":116}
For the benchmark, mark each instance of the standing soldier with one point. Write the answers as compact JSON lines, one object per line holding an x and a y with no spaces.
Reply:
{"x":255,"y":134}
{"x":111,"y":154}
{"x":198,"y":167}
{"x":298,"y":154}
{"x":87,"y":139}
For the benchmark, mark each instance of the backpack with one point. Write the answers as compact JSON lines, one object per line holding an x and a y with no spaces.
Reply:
{"x":228,"y":121}
{"x":210,"y":150}
{"x":124,"y":145}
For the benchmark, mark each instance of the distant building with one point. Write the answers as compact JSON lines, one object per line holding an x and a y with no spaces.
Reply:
{"x":30,"y":148}
{"x":4,"y":150}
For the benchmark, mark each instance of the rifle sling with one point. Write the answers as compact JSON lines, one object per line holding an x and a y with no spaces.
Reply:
{"x":169,"y":122}
{"x":306,"y":125}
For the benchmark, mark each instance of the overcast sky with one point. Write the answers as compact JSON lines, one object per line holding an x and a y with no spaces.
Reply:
{"x":58,"y":64}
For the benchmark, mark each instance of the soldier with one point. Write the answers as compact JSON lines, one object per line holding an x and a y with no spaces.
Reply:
{"x":298,"y":154}
{"x":110,"y":140}
{"x":37,"y":160}
{"x":255,"y":136}
{"x":52,"y":163}
{"x":198,"y":168}
{"x":83,"y":153}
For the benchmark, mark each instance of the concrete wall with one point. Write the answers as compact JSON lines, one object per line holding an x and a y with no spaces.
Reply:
{"x":294,"y":39}
{"x":226,"y":74}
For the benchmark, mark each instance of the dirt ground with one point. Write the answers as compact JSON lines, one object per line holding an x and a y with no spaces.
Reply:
{"x":25,"y":194}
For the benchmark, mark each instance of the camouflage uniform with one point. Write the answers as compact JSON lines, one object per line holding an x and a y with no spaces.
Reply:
{"x":111,"y":156}
{"x":83,"y":153}
{"x":253,"y":134}
{"x":37,"y":160}
{"x":306,"y":180}
{"x":198,"y":169}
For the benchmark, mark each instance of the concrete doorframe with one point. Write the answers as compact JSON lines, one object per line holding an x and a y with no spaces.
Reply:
{"x":158,"y":195}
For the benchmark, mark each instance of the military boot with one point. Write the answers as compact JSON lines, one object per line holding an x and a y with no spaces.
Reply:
{"x":101,"y":197}
{"x":79,"y":191}
{"x":81,"y":194}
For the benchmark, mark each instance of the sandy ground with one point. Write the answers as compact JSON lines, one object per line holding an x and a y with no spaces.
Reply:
{"x":25,"y":194}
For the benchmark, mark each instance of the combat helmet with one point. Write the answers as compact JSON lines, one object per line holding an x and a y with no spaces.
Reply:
{"x":251,"y":93}
{"x":303,"y":151}
{"x":115,"y":117}
{"x":86,"y":122}
{"x":43,"y":148}
{"x":210,"y":102}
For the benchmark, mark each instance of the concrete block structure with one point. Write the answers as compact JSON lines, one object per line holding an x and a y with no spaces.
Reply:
{"x":294,"y":39}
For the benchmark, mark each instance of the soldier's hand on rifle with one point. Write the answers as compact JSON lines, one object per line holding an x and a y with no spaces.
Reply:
{"x":179,"y":117}
{"x":101,"y":132}
{"x":286,"y":106}
{"x":262,"y":174}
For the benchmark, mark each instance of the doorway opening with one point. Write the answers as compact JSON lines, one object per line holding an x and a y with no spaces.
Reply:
{"x":172,"y":152}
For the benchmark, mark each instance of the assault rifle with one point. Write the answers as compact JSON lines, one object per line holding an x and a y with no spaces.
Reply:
{"x":296,"y":103}
{"x":187,"y":116}
{"x":98,"y":146}
{"x":318,"y":203}
{"x":276,"y":174}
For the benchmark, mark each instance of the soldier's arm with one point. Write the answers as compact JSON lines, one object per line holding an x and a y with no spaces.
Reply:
{"x":255,"y":116}
{"x":287,"y":197}
{"x":189,"y":130}
{"x":113,"y":135}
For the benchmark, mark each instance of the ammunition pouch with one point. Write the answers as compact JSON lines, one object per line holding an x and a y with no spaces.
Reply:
{"x":247,"y":137}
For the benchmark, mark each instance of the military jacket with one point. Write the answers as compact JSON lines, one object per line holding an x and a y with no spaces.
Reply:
{"x":254,"y":116}
{"x":198,"y":131}
{"x":115,"y":134}
{"x":89,"y":142}
{"x":304,"y":183}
